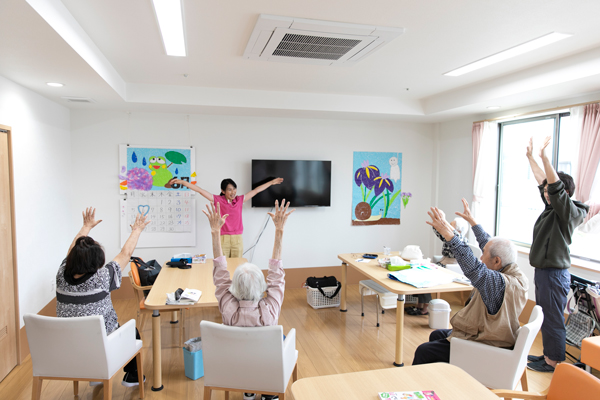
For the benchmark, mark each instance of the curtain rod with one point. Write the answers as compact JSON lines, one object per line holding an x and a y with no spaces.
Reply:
{"x":537,"y":112}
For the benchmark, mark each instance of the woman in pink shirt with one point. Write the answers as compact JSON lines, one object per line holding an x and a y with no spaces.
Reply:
{"x":231,"y":204}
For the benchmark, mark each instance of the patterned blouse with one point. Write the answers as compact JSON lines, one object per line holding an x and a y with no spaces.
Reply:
{"x":89,"y":295}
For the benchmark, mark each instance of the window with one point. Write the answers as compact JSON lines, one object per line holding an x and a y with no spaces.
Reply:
{"x":518,"y":203}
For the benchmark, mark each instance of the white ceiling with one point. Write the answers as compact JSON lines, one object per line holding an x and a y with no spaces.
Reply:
{"x":403,"y":80}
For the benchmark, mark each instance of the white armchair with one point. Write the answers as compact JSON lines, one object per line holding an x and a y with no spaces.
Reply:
{"x":495,"y":367}
{"x":78,"y":349}
{"x":255,"y":359}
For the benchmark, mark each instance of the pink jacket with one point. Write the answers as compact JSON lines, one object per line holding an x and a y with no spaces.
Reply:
{"x":265,"y":312}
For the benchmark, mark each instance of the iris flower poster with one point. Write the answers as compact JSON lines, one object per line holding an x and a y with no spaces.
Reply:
{"x":377,"y":197}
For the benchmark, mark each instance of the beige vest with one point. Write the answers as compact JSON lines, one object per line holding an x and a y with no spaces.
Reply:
{"x":475,"y":323}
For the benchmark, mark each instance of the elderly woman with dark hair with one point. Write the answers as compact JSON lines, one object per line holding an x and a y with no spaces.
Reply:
{"x":241,"y":299}
{"x":84,"y":283}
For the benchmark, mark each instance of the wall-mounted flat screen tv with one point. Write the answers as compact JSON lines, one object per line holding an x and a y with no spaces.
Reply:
{"x":305,"y":183}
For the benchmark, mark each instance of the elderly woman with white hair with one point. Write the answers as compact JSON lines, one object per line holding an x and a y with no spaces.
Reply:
{"x":241,"y":299}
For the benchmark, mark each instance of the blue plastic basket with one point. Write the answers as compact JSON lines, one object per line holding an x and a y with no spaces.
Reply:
{"x":194,"y":367}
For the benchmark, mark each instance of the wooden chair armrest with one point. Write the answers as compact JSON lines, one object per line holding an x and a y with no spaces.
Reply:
{"x":517,"y":394}
{"x":136,"y":286}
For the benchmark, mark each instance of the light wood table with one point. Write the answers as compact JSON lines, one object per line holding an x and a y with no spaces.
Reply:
{"x":169,"y":280}
{"x":447,"y":381}
{"x":373,"y":271}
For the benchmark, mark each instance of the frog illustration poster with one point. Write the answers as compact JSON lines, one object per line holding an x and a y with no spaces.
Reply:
{"x":149,"y":168}
{"x":376,"y":188}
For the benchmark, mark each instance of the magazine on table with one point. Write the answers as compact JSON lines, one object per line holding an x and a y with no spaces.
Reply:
{"x":419,"y":395}
{"x":421,"y":277}
{"x":188,"y":296}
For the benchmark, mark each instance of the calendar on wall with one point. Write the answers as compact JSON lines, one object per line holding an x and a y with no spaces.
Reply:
{"x":144,"y":180}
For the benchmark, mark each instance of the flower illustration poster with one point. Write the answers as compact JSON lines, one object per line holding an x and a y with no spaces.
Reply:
{"x":377,"y":198}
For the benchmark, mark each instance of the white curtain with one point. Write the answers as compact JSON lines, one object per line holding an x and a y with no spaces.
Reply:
{"x":484,"y":182}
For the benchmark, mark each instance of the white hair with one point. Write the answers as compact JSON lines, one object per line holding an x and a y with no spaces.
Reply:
{"x":462,"y":225}
{"x":248,"y":283}
{"x":503,"y":248}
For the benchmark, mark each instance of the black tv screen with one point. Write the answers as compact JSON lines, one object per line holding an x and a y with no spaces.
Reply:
{"x":305,"y":183}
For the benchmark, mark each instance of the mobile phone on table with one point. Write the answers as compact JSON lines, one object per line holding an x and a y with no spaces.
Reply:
{"x":371,"y":256}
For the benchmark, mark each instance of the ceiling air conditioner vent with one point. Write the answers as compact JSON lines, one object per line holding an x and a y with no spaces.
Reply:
{"x":78,"y":99}
{"x":315,"y":42}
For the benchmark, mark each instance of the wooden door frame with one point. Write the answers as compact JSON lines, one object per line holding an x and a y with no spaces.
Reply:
{"x":14,"y":239}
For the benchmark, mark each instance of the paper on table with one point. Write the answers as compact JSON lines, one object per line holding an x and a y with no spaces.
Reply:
{"x":421,"y":395}
{"x":421,"y":277}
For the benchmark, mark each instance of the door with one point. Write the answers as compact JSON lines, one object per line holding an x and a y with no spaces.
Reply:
{"x":8,"y":322}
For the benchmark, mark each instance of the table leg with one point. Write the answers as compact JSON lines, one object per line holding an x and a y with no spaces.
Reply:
{"x":156,"y":360}
{"x":174,"y":319}
{"x":399,"y":331}
{"x":344,"y":286}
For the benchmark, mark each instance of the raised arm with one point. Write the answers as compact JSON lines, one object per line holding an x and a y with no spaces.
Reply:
{"x":89,"y":221}
{"x":481,"y":236}
{"x":216,"y":221}
{"x":551,"y":174}
{"x":262,"y":187}
{"x":279,"y":218}
{"x":136,"y":230}
{"x":538,"y":173}
{"x":205,"y":193}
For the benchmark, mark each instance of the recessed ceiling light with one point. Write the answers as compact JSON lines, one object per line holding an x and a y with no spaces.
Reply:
{"x":493,"y":107}
{"x":55,"y":84}
{"x":170,"y":21}
{"x":512,"y":52}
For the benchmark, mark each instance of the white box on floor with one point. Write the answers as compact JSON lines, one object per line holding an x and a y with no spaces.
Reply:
{"x":439,"y":314}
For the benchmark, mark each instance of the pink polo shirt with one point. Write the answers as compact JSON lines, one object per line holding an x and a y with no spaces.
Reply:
{"x":233,"y":223}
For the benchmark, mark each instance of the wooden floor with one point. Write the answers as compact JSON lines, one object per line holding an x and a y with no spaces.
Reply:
{"x":328,"y":342}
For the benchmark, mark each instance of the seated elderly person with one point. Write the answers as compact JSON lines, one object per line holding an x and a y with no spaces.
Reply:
{"x":462,"y":227}
{"x":492,"y":314}
{"x":84,"y":283}
{"x":241,"y":299}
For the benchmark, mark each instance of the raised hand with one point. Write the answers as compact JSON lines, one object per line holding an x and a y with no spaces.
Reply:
{"x":276,"y":181}
{"x":543,"y":148}
{"x":439,"y":223}
{"x":530,"y":148}
{"x":89,"y":218}
{"x":281,"y":214}
{"x":215,"y":219}
{"x":140,"y":223}
{"x":466,"y":214}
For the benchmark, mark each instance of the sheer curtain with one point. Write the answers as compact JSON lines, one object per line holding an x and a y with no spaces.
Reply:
{"x":589,"y":152}
{"x":484,"y":177}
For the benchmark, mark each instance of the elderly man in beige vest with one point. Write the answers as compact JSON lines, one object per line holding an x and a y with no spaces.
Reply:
{"x":492,"y":314}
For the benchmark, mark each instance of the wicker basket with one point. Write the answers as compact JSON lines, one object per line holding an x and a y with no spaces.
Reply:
{"x":410,"y":299}
{"x":317,"y":300}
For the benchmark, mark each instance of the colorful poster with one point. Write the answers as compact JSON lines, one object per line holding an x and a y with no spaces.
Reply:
{"x":149,"y":168}
{"x":376,"y":188}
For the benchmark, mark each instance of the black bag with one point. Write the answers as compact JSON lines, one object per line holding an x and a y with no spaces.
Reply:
{"x":148,"y":271}
{"x":325,"y":281}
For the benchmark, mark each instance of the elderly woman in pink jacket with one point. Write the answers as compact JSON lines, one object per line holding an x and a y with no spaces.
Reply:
{"x":241,"y":299}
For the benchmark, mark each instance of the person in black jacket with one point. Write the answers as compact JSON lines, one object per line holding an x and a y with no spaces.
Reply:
{"x":549,"y":255}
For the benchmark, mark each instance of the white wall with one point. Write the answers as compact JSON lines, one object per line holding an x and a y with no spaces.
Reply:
{"x":226,"y":145}
{"x":43,"y":181}
{"x":456,"y":147}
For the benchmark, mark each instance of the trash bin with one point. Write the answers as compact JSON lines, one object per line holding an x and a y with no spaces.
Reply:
{"x":192,"y":358}
{"x":439,"y":314}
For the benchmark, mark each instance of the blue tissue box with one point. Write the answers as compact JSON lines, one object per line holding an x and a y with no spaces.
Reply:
{"x":194,"y":367}
{"x":187,"y":259}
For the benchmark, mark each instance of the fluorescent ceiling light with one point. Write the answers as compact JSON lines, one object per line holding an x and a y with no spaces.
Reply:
{"x":512,"y":52}
{"x":55,"y":84}
{"x":493,"y":107}
{"x":170,"y":21}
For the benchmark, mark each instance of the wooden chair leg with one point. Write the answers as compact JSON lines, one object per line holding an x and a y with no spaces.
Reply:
{"x":140,"y":368}
{"x":524,"y":385}
{"x":107,"y":389}
{"x":281,"y":396}
{"x":37,"y":388}
{"x":75,"y":388}
{"x":295,"y":373}
{"x":227,"y":395}
{"x":207,"y":393}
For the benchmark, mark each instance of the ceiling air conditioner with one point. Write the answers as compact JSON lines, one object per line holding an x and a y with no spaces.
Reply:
{"x":307,"y":41}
